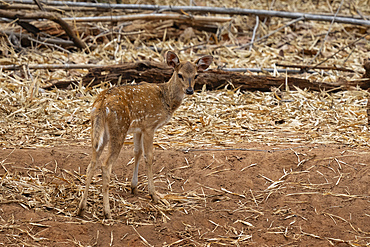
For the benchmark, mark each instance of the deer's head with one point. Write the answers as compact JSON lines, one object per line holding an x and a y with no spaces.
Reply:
{"x":186,"y":73}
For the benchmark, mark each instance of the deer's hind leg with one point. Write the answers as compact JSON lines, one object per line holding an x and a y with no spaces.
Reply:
{"x":96,"y":153}
{"x":138,"y":151}
{"x":117,"y":129}
{"x":113,"y":152}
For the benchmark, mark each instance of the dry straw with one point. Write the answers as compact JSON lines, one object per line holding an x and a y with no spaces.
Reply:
{"x":32,"y":117}
{"x":208,"y":119}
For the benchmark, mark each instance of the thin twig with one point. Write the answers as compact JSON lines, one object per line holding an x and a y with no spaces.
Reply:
{"x":142,"y":238}
{"x":327,"y":34}
{"x":354,"y":42}
{"x":254,"y":32}
{"x":273,"y":32}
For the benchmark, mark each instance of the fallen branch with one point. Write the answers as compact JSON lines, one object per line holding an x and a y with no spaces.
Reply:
{"x":154,"y":72}
{"x":94,"y":66}
{"x":264,"y":70}
{"x":27,"y":38}
{"x":52,"y":66}
{"x":306,"y":68}
{"x":205,"y":9}
{"x":59,"y":9}
{"x":45,"y":15}
{"x":148,"y":17}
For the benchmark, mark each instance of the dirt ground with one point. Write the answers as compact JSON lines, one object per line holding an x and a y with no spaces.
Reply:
{"x":261,"y":192}
{"x":249,"y":195}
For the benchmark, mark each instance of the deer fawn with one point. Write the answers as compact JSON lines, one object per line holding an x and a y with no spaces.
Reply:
{"x":140,"y":109}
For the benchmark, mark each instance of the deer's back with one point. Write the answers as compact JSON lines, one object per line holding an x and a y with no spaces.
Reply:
{"x":140,"y":106}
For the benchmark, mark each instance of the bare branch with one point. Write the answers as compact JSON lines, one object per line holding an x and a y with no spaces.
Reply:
{"x":148,"y":17}
{"x":45,"y":15}
{"x":159,"y":72}
{"x":204,"y":9}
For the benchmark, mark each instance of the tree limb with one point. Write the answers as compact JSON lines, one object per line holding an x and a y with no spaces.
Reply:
{"x":53,"y":66}
{"x":59,"y":9}
{"x":155,"y":72}
{"x":205,"y":9}
{"x":148,"y":17}
{"x":45,"y":15}
{"x":24,"y":37}
{"x":305,"y":68}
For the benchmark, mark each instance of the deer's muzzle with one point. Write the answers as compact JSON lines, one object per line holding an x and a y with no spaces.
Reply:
{"x":189,"y":91}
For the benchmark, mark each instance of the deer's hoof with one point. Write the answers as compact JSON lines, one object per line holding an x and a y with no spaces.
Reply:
{"x":134,"y":190}
{"x":108,"y":215}
{"x":154,"y":198}
{"x":80,"y":212}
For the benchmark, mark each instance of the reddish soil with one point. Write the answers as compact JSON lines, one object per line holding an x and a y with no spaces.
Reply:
{"x":211,"y":198}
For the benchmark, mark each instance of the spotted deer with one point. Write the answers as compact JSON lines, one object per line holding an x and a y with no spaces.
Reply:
{"x":139,"y":109}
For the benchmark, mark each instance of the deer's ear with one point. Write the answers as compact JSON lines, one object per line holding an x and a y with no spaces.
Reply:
{"x":204,"y":62}
{"x":172,"y":59}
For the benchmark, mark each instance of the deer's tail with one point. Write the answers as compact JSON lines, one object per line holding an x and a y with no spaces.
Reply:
{"x":99,"y":131}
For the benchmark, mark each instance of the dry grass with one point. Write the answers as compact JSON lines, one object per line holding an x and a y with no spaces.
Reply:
{"x":32,"y":117}
{"x":208,"y":119}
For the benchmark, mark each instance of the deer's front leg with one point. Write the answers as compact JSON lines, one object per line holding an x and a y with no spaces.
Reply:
{"x":148,"y":157}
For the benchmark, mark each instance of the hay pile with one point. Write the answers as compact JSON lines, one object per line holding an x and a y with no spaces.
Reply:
{"x":30,"y":116}
{"x":228,"y":117}
{"x":207,"y":119}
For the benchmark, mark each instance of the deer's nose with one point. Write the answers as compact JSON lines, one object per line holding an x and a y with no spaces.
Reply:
{"x":189,"y":91}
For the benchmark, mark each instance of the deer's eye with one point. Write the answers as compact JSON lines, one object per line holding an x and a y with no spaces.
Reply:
{"x":195,"y":77}
{"x":180,"y":76}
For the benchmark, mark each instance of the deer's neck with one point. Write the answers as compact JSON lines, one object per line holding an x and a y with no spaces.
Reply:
{"x":173,"y":94}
